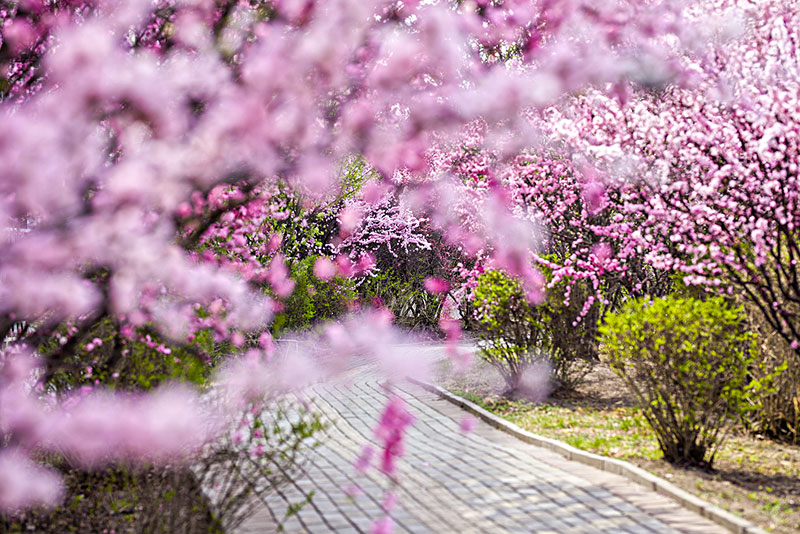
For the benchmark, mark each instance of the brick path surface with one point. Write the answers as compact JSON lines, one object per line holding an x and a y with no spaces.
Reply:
{"x":451,"y":482}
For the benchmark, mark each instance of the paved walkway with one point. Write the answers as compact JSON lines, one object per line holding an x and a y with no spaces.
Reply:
{"x":450,"y":482}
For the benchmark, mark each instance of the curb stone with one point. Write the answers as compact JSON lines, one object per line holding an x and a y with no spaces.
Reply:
{"x":635,"y":474}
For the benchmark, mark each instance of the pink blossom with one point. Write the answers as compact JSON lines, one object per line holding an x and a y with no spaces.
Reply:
{"x":324,"y":269}
{"x":436,"y":285}
{"x":364,"y":459}
{"x":24,"y":483}
{"x":183,"y":210}
{"x":365,"y":264}
{"x":279,"y":278}
{"x":374,"y":192}
{"x":237,"y":339}
{"x":391,"y":428}
{"x":384,"y":525}
{"x":102,"y":427}
{"x":603,"y":252}
{"x":389,"y":501}
{"x":345,"y":265}
{"x":467,"y":424}
{"x":257,"y":451}
{"x":266,"y":342}
{"x":19,"y":34}
{"x":594,"y":194}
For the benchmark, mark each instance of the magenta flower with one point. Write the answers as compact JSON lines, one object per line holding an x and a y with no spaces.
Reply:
{"x":391,"y":428}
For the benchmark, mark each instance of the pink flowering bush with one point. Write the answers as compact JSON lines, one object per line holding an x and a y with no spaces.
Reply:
{"x":709,"y":170}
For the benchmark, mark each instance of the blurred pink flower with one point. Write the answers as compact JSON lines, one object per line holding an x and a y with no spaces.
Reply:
{"x":324,"y":269}
{"x":23,"y":483}
{"x":603,"y":252}
{"x":467,"y":424}
{"x":594,"y":194}
{"x":384,"y":525}
{"x":391,"y":428}
{"x":436,"y":285}
{"x":364,"y":459}
{"x":389,"y":501}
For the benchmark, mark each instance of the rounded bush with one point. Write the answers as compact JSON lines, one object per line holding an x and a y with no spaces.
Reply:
{"x":509,"y":327}
{"x":515,"y":334}
{"x":688,"y":363}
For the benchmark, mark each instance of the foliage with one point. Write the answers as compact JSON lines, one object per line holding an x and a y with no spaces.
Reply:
{"x":516,"y":333}
{"x":512,"y":333}
{"x":124,"y":358}
{"x":313,"y":300}
{"x":688,"y":363}
{"x":572,"y":328}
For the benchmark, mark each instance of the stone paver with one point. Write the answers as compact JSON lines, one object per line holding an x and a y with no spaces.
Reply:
{"x":482,"y":482}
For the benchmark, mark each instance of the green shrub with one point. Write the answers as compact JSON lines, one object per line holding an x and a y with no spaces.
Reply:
{"x":511,"y":330}
{"x":140,"y":363}
{"x":689,"y":363}
{"x":313,"y":300}
{"x":514,"y":333}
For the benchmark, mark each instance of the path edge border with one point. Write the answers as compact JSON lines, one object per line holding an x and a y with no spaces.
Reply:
{"x":633,"y":473}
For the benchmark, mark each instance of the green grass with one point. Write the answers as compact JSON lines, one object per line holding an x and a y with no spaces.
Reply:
{"x":621,"y":432}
